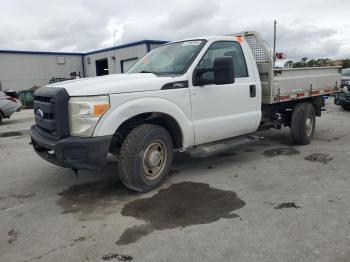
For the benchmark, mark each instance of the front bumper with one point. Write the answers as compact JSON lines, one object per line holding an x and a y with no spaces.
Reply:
{"x":72,"y":152}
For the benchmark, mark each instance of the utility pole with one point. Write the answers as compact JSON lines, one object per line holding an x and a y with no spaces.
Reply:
{"x":274,"y":42}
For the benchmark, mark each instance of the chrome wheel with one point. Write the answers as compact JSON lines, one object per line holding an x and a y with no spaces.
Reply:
{"x":309,"y":125}
{"x":154,"y":160}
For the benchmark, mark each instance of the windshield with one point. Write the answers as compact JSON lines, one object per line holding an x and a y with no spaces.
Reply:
{"x":170,"y":59}
{"x":346,"y":72}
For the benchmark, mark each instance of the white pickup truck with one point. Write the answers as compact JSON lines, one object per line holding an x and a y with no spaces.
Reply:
{"x":201,"y":95}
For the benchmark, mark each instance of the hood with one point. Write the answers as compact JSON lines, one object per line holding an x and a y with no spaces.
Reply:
{"x":116,"y":83}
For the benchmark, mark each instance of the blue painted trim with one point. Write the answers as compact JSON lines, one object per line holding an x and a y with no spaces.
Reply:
{"x":38,"y":52}
{"x":147,"y":42}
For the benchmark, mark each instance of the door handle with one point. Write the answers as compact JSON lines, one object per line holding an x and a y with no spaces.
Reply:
{"x":252,"y":90}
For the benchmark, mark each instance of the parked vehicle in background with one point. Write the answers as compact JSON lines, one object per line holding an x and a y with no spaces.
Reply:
{"x":345,"y":78}
{"x":343,"y":99}
{"x":203,"y":95}
{"x":14,"y":95}
{"x":8,"y":105}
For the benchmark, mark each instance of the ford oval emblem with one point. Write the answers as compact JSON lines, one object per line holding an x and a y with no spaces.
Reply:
{"x":39,"y":114}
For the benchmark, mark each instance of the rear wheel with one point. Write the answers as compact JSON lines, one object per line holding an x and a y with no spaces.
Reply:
{"x":1,"y":116}
{"x":145,"y":157}
{"x":303,"y":123}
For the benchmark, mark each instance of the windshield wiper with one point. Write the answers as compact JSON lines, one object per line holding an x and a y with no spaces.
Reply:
{"x":145,"y":71}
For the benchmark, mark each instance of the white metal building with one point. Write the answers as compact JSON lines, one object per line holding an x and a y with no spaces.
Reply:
{"x":21,"y":70}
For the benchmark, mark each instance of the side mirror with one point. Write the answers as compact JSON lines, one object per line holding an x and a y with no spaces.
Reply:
{"x":197,"y":76}
{"x":223,"y":71}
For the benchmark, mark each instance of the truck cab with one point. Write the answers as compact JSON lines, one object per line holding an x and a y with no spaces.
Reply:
{"x":190,"y":94}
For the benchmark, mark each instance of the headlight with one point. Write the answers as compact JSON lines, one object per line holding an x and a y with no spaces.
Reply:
{"x":84,"y":113}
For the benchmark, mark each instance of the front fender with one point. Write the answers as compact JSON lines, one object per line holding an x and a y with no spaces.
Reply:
{"x":123,"y":108}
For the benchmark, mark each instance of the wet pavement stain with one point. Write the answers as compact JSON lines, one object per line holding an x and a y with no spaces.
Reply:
{"x":116,"y":256}
{"x":18,"y":196}
{"x":12,"y":236}
{"x":317,"y":157}
{"x":180,"y":205}
{"x":174,"y":172}
{"x":285,"y":151}
{"x":94,"y":200}
{"x":80,"y":239}
{"x":225,"y":154}
{"x":14,"y":133}
{"x":287,"y":205}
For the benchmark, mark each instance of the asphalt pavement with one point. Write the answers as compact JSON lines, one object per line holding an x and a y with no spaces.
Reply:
{"x":270,"y":201}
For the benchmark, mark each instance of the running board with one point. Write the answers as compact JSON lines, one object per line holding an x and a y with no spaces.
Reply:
{"x":222,"y":146}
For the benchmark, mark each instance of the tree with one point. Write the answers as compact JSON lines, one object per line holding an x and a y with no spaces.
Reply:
{"x":311,"y":63}
{"x":324,"y":62}
{"x":301,"y":63}
{"x":304,"y":62}
{"x":288,"y":64}
{"x":346,"y":63}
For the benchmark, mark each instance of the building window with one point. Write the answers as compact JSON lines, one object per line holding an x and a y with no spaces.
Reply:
{"x":126,"y":64}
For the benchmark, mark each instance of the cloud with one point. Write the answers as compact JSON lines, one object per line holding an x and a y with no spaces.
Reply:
{"x":304,"y":28}
{"x":186,"y":15}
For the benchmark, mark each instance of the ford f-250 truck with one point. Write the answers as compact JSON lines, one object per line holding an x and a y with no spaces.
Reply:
{"x":203,"y":95}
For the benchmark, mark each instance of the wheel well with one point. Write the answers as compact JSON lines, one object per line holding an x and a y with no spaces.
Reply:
{"x":164,"y":120}
{"x":285,"y":110}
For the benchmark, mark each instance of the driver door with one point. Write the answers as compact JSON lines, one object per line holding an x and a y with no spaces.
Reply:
{"x":227,"y":110}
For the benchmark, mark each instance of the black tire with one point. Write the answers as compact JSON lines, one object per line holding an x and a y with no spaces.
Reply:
{"x":346,"y":107}
{"x":302,"y":130}
{"x":143,"y":144}
{"x":1,"y":117}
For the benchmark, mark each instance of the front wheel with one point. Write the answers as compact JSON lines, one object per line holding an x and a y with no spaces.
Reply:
{"x":145,"y":157}
{"x":303,"y":123}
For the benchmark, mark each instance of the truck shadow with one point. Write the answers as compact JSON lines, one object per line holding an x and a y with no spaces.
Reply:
{"x":241,"y":155}
{"x":100,"y":197}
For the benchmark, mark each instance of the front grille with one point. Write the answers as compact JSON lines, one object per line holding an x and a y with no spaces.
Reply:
{"x":51,"y":112}
{"x":43,"y":99}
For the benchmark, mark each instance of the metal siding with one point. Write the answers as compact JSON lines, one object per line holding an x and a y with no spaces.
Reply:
{"x":22,"y":71}
{"x":114,"y":66}
{"x":153,"y":46}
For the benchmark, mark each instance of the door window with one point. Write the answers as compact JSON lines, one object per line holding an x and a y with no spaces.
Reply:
{"x":224,"y":48}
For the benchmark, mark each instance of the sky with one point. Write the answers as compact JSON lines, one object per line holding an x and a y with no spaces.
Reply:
{"x":309,"y":28}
